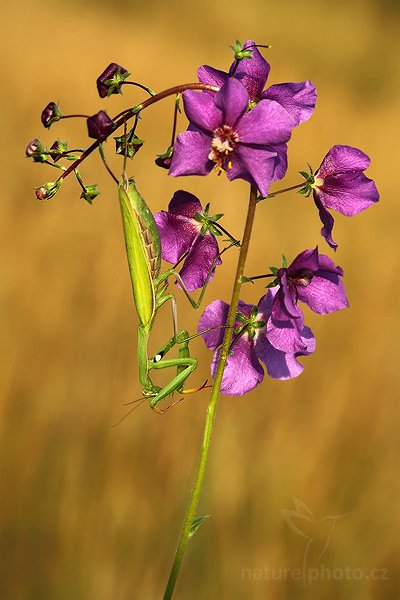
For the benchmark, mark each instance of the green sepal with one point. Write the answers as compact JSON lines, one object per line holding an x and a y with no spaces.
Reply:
{"x":260,"y":198}
{"x":89,"y":193}
{"x":167,"y":153}
{"x":239,"y":52}
{"x":197,"y":521}
{"x":115,"y":83}
{"x":128,"y":145}
{"x":241,"y":317}
{"x":245,"y":279}
{"x":136,"y":109}
{"x":305,"y":191}
{"x":273,"y":283}
{"x":48,"y":190}
{"x":284,"y":261}
{"x":274,"y":270}
{"x":254,"y":312}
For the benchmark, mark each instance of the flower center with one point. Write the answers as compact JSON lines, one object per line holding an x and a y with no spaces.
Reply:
{"x":318,"y":183}
{"x":250,"y":325}
{"x":222,"y":145}
{"x":302,"y":277}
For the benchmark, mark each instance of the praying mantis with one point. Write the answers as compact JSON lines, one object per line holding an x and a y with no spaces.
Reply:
{"x":150,"y":292}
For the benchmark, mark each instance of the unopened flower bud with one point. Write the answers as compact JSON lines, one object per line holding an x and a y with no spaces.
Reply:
{"x":89,"y":193}
{"x":57,"y":150}
{"x":34,"y":147}
{"x":51,"y":113}
{"x":48,"y":190}
{"x":164,"y":160}
{"x":36,"y":150}
{"x":100,"y":126}
{"x":111,"y":80}
{"x":128,"y":145}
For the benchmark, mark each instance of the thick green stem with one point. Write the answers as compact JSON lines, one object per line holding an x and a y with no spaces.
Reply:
{"x":212,"y":406}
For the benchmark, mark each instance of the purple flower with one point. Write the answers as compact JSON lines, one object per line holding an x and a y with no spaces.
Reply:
{"x":243,"y":370}
{"x":297,"y":98}
{"x":312,"y":278}
{"x":111,"y":80}
{"x":340,"y":183}
{"x":100,"y":126}
{"x":187,"y":228}
{"x":249,"y":145}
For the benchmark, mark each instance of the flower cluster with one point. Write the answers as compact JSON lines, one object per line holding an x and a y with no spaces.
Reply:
{"x":274,"y":330}
{"x":238,"y":125}
{"x":250,"y":344}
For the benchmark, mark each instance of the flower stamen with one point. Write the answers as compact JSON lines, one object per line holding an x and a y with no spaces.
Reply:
{"x":222,"y":146}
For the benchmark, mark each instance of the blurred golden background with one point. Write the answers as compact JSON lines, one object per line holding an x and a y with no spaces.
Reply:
{"x":94,"y":512}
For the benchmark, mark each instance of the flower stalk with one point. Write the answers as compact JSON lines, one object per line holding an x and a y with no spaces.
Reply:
{"x":178,"y":89}
{"x":212,"y":406}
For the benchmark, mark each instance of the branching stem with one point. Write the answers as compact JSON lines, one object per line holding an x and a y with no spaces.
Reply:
{"x":178,"y":89}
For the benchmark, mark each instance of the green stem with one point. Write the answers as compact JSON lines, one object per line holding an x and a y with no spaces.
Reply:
{"x":288,"y":189}
{"x":212,"y":407}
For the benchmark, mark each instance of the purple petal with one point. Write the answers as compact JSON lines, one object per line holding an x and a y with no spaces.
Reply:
{"x":190,"y":157}
{"x":214,"y":315}
{"x":211,"y":76}
{"x":348,"y":193}
{"x":255,"y":165}
{"x":341,"y":159}
{"x":309,"y":259}
{"x":242,"y":370}
{"x":201,"y":110}
{"x":279,"y":364}
{"x":266,"y":302}
{"x":327,"y":221}
{"x":280,"y":162}
{"x":199,"y":261}
{"x":297,"y":98}
{"x":285,"y":298}
{"x":267,"y":123}
{"x":185,"y":204}
{"x":252,"y":72}
{"x":233,"y":100}
{"x":283,"y":330}
{"x":177,"y":234}
{"x":325,"y":293}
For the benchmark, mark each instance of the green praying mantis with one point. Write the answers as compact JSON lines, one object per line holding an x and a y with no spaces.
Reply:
{"x":150,"y":292}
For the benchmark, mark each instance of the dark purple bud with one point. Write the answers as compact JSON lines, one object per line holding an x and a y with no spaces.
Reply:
{"x":34,"y":148}
{"x":100,"y":126}
{"x":37,"y":151}
{"x":164,"y":160}
{"x":57,"y":150}
{"x":51,"y":113}
{"x":111,"y":80}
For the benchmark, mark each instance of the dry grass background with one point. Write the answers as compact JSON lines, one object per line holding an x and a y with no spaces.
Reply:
{"x":90,"y":512}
